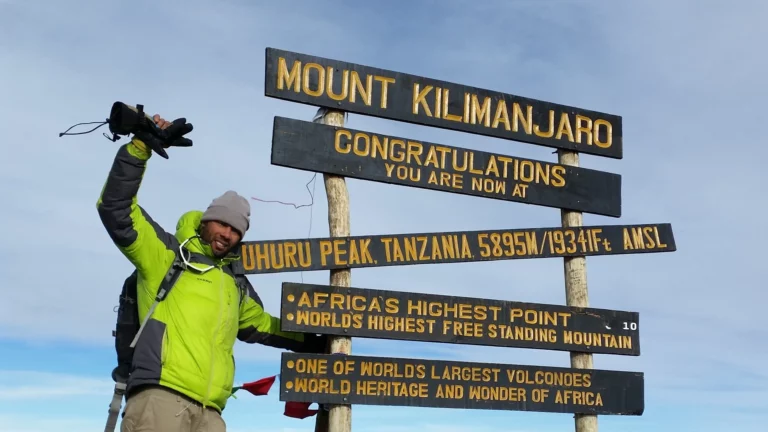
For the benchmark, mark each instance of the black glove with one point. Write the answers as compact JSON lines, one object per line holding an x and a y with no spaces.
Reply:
{"x":125,"y":119}
{"x":175,"y":133}
{"x":314,"y":344}
{"x":159,"y":139}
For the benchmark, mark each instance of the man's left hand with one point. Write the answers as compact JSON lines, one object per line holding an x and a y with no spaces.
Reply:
{"x":175,"y":130}
{"x":161,"y":122}
{"x":315,"y":344}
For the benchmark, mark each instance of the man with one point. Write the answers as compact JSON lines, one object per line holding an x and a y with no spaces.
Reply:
{"x":183,"y":364}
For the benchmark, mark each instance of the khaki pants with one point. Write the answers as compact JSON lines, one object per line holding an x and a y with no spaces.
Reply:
{"x":158,"y":410}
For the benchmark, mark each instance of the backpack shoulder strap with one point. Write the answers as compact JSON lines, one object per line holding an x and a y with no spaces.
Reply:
{"x":171,"y":276}
{"x":243,"y":284}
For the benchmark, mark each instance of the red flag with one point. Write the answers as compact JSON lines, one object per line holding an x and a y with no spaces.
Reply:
{"x":258,"y":388}
{"x":299,"y":410}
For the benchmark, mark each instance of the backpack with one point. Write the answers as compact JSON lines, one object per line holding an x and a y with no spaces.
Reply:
{"x":128,"y":329}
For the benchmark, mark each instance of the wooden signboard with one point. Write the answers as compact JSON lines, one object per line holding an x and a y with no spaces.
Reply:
{"x":275,"y":256}
{"x":372,"y":313}
{"x":364,"y":380}
{"x":388,"y":159}
{"x":414,"y":99}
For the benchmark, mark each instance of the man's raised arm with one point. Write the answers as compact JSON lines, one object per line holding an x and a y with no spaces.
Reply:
{"x":137,"y":236}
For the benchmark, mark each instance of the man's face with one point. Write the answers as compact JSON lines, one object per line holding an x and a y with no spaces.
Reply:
{"x":220,"y":236}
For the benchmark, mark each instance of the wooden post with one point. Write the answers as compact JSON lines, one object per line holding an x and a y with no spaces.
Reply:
{"x":339,"y":417}
{"x":576,"y":293}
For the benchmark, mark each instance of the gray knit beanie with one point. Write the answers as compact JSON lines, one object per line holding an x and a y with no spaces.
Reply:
{"x":231,"y":209}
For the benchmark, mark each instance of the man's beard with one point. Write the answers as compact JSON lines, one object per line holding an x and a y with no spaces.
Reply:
{"x":208,"y":238}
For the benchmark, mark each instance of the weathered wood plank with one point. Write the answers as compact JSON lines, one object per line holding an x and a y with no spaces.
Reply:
{"x":402,"y":161}
{"x":276,"y":256}
{"x":413,"y":316}
{"x":414,"y":99}
{"x":367,"y":380}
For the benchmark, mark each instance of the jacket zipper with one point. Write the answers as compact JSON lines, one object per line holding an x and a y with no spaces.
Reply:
{"x":213,"y":339}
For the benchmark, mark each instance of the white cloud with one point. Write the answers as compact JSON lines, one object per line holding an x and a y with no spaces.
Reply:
{"x":443,"y":427}
{"x":32,"y":423}
{"x":39,"y":401}
{"x":17,"y":385}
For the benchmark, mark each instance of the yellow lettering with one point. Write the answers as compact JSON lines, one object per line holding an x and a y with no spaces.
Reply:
{"x":465,"y":373}
{"x":286,"y":254}
{"x":350,"y":83}
{"x":464,"y":329}
{"x":564,"y":127}
{"x":338,"y":146}
{"x":292,"y":79}
{"x":419,"y":99}
{"x":596,"y":339}
{"x":305,"y":81}
{"x":385,"y":81}
{"x":608,"y":133}
{"x":484,"y":393}
{"x":550,"y":128}
{"x":325,"y":250}
{"x":344,"y":84}
{"x":449,"y":391}
{"x":391,"y":388}
{"x":446,"y":114}
{"x":587,"y":130}
{"x":304,"y":300}
{"x":481,"y":113}
{"x":576,"y":397}
{"x":517,"y":117}
{"x":357,"y":86}
{"x":311,"y":366}
{"x":539,"y":317}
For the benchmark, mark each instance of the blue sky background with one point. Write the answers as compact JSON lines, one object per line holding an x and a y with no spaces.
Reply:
{"x":688,"y":77}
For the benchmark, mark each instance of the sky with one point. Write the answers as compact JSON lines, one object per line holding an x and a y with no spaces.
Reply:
{"x":687,"y":77}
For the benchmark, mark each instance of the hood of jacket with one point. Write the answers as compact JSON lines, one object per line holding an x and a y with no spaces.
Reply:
{"x":188,"y":227}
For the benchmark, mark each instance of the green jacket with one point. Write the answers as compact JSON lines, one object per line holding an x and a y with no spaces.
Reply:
{"x":187,"y":344}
